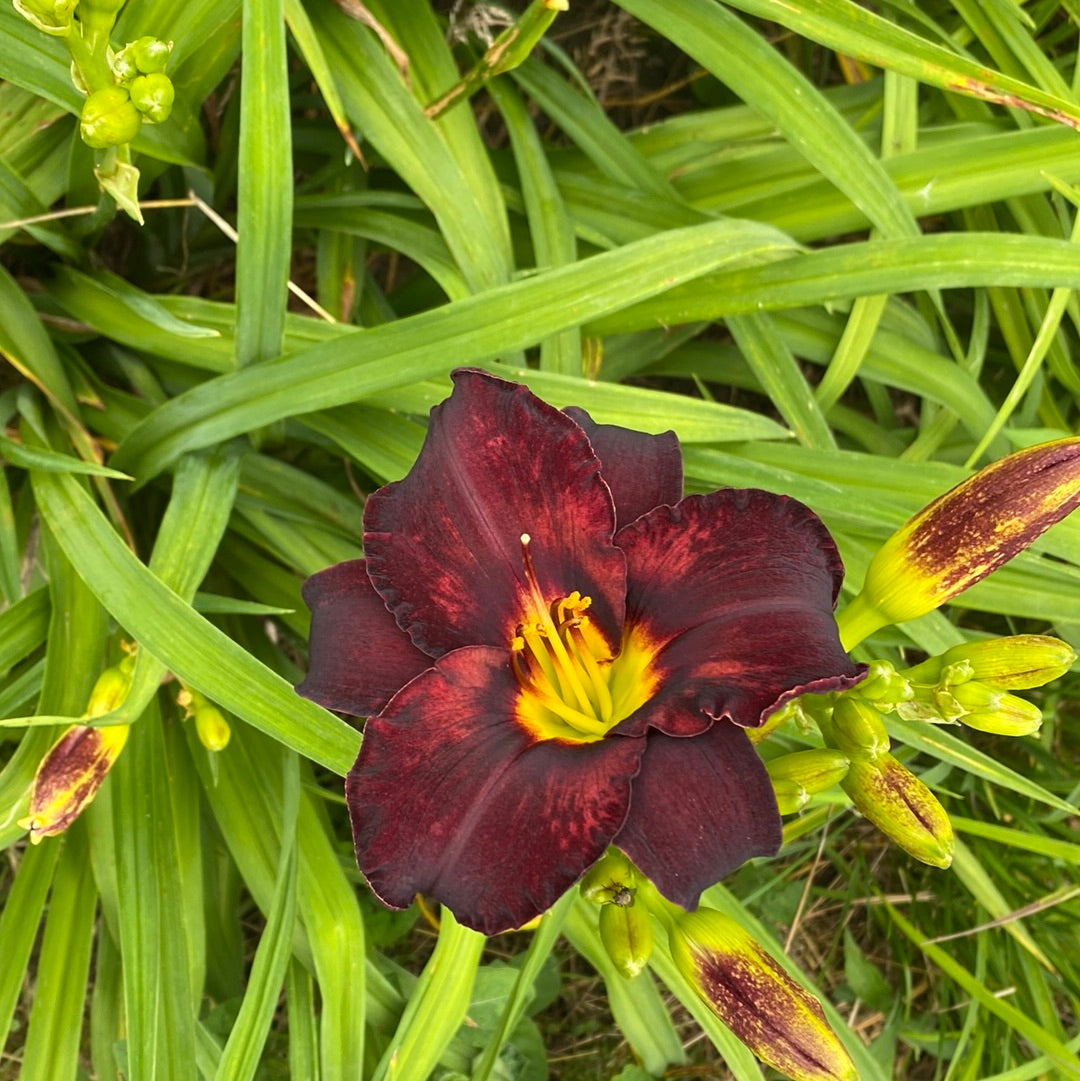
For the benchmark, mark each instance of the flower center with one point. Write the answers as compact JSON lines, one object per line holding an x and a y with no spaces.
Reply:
{"x":573,"y":689}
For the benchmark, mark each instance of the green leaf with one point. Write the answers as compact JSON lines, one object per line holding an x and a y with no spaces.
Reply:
{"x":468,"y":331}
{"x":436,"y":1006}
{"x":265,"y":184}
{"x":153,"y":932}
{"x":51,"y":462}
{"x":854,"y":30}
{"x":240,"y":1059}
{"x":179,"y":638}
{"x":1065,"y":1061}
{"x":936,"y":741}
{"x":54,"y":1035}
{"x":24,"y":905}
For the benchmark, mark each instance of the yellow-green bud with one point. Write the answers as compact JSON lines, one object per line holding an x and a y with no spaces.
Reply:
{"x":109,"y":118}
{"x":884,"y":686}
{"x":964,"y":535}
{"x":153,"y":96}
{"x":609,"y":880}
{"x":990,"y":710}
{"x":212,"y":728}
{"x":902,"y":807}
{"x":857,"y":729}
{"x":627,"y":934}
{"x":1015,"y":663}
{"x":791,"y":797}
{"x":149,"y":55}
{"x":797,"y":776}
{"x":70,"y":775}
{"x":779,"y":1021}
{"x":52,"y":17}
{"x":109,"y":691}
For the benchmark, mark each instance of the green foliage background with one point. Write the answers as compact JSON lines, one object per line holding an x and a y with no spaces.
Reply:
{"x":848,"y":293}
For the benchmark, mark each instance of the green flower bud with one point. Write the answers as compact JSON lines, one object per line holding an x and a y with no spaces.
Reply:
{"x":902,"y":807}
{"x":153,"y":96}
{"x":779,"y":1021}
{"x":110,"y":690}
{"x":52,"y":17}
{"x":109,"y":118}
{"x":884,"y":686}
{"x":964,"y":535}
{"x":1014,"y":663}
{"x":212,"y":728}
{"x":627,"y":934}
{"x":791,"y":797}
{"x":797,"y":776}
{"x":857,"y":729}
{"x":609,"y":880}
{"x":990,"y":710}
{"x":150,"y":55}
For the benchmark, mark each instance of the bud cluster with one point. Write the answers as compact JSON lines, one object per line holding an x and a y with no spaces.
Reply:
{"x":971,"y":683}
{"x":778,"y":1020}
{"x":122,"y":89}
{"x":112,"y":115}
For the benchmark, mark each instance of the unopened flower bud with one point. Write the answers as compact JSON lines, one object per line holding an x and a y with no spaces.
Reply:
{"x":627,"y":934}
{"x":797,"y":776}
{"x":884,"y":686}
{"x":212,"y":728}
{"x":109,"y":691}
{"x":153,"y":96}
{"x":611,"y":880}
{"x":1018,"y":662}
{"x":990,"y":710}
{"x":146,"y":56}
{"x":109,"y":118}
{"x":69,"y":777}
{"x":52,"y":17}
{"x":857,"y":729}
{"x":779,"y":1021}
{"x":902,"y":807}
{"x":791,"y":797}
{"x":964,"y":535}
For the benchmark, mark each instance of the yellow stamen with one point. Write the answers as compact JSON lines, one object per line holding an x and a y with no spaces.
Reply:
{"x":567,"y":670}
{"x":598,"y":680}
{"x":572,"y":687}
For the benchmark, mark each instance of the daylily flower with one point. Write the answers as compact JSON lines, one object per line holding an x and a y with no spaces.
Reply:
{"x":558,"y":653}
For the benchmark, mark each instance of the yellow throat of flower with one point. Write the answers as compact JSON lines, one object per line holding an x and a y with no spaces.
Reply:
{"x":572,"y":687}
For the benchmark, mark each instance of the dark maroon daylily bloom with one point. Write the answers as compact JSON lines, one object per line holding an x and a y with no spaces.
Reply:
{"x":557,"y":653}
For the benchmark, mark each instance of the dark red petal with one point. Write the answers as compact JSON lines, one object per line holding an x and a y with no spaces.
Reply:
{"x":358,"y":655}
{"x":643,"y":471}
{"x":699,"y":808}
{"x":444,"y":544}
{"x":451,"y":797}
{"x":735,"y":589}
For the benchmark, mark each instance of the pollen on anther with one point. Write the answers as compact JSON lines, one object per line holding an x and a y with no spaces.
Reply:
{"x":525,"y":538}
